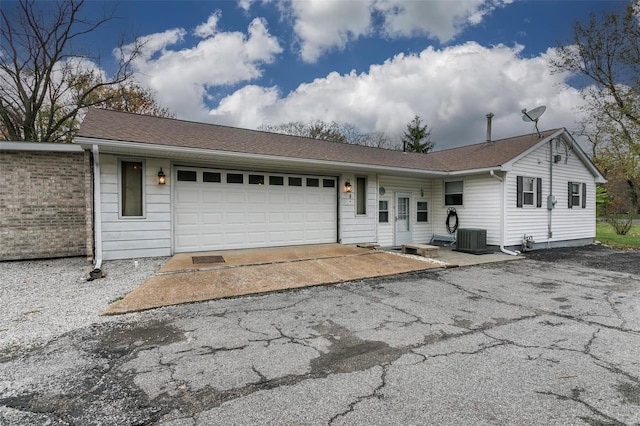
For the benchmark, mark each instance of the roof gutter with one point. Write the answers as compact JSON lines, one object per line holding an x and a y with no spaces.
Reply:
{"x":200,"y":152}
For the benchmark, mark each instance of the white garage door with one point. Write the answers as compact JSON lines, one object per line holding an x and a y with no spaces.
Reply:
{"x":225,"y":209}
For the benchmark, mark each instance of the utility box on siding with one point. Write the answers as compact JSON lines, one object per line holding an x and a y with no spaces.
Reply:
{"x":472,"y":241}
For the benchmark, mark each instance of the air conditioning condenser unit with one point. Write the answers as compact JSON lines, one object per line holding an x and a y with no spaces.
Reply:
{"x":472,"y":241}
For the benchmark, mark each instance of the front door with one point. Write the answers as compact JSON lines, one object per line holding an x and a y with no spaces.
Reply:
{"x":402,"y":219}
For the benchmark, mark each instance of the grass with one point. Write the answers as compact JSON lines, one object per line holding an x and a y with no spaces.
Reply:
{"x":607,"y":235}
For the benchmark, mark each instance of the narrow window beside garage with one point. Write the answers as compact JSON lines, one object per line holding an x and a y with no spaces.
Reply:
{"x":423,"y":211}
{"x":361,"y":194}
{"x":131,"y":188}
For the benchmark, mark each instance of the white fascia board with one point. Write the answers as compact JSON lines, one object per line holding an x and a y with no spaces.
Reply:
{"x":39,"y":147}
{"x":478,"y":171}
{"x":165,"y":150}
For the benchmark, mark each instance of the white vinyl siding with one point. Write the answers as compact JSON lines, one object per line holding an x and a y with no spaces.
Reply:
{"x":481,"y":208}
{"x":130,"y":237}
{"x":358,"y":228}
{"x":420,"y":190}
{"x":567,"y":224}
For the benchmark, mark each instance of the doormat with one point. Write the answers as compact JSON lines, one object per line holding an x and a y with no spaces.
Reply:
{"x":207,"y":259}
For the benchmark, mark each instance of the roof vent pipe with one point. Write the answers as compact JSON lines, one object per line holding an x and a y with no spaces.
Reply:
{"x":489,"y":117}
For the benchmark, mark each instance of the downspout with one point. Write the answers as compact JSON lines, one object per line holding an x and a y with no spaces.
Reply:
{"x":550,"y":198}
{"x":97,"y":211}
{"x":502,"y":215}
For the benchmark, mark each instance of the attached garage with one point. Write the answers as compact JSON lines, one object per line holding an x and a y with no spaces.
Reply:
{"x":218,"y":209}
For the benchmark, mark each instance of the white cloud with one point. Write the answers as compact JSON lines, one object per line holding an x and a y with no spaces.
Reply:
{"x":323,"y":25}
{"x":181,"y":77}
{"x":451,"y":89}
{"x":208,"y":28}
{"x":441,"y":20}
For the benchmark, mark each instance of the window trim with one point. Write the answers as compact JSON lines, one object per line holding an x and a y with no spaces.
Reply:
{"x":536,"y":201}
{"x":444,"y":192}
{"x":581,"y":194}
{"x":418,"y":211}
{"x":143,"y":203}
{"x":381,"y":210}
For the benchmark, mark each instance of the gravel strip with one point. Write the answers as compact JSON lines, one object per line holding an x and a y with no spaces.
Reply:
{"x":43,"y":299}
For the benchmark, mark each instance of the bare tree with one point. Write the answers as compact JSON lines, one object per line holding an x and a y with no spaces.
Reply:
{"x":332,"y":131}
{"x":605,"y":54}
{"x":44,"y":81}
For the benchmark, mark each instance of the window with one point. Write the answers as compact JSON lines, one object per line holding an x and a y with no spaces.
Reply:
{"x":276,"y":180}
{"x":383,"y":211}
{"x":256,"y":179}
{"x":295,"y":181}
{"x":423,"y":211}
{"x":577,"y":195}
{"x":235,"y":178}
{"x":131,"y":181}
{"x":211,"y":177}
{"x":361,"y":195}
{"x":187,"y":175}
{"x":529,"y":191}
{"x":453,"y":193}
{"x":314,"y":182}
{"x":328,"y":183}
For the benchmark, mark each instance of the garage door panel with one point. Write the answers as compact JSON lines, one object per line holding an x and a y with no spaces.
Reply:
{"x":277,"y":218}
{"x":257,"y":217}
{"x":209,"y":197}
{"x":211,"y":218}
{"x":233,"y":197}
{"x":217,"y":216}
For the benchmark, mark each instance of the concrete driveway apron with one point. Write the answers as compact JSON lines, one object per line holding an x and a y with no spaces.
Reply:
{"x":194,"y":277}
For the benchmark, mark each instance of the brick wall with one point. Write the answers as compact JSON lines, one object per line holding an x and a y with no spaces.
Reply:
{"x":45,"y":204}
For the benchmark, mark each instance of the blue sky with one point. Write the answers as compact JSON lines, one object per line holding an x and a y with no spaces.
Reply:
{"x":371,"y":63}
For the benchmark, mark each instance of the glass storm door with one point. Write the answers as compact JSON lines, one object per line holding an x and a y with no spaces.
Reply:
{"x":402,"y":219}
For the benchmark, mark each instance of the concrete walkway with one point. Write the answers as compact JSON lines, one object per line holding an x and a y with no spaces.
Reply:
{"x":185,"y":278}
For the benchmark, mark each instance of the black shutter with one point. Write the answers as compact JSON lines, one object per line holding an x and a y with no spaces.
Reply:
{"x":584,"y":195}
{"x":569,"y":196}
{"x":519,"y":190}
{"x":538,"y":192}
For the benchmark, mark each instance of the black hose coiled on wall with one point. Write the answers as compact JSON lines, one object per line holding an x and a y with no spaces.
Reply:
{"x":451,"y":213}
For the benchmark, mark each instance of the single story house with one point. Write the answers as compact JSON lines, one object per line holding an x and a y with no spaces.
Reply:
{"x":164,"y":186}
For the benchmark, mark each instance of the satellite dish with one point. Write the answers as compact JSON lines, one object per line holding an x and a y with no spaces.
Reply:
{"x":533,"y":116}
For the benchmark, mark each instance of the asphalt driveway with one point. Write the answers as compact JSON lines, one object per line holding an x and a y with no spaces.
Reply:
{"x":531,"y":342}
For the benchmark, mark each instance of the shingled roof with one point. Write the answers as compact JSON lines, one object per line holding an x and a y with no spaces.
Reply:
{"x":144,"y":129}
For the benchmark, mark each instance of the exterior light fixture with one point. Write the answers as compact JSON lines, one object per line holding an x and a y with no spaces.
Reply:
{"x":161,"y":177}
{"x":347,"y":186}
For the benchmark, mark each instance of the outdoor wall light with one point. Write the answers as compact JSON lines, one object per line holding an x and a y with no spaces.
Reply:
{"x":347,"y":186}
{"x":161,"y":177}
